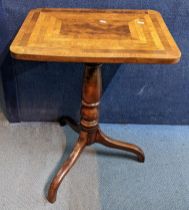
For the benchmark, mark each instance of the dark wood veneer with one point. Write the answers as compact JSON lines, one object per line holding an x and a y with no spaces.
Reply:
{"x":93,"y":36}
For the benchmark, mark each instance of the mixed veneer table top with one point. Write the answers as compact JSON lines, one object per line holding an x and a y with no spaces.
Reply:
{"x":96,"y":36}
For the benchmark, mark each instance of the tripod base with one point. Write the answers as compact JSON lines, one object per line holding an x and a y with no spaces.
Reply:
{"x":88,"y":129}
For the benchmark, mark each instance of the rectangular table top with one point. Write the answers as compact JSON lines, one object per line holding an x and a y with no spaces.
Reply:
{"x":96,"y":36}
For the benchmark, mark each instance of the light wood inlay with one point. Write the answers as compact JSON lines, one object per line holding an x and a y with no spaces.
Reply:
{"x":93,"y":37}
{"x":96,"y":36}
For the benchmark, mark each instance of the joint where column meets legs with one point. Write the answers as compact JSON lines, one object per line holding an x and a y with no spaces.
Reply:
{"x":88,"y":129}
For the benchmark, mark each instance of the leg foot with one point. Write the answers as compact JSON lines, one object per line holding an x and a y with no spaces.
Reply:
{"x":80,"y":145}
{"x":88,"y":129}
{"x":68,"y":120}
{"x":107,"y":141}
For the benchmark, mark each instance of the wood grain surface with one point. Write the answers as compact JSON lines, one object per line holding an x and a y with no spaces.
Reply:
{"x":95,"y":36}
{"x":88,"y":129}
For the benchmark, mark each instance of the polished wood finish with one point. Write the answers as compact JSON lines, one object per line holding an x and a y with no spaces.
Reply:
{"x":109,"y":142}
{"x":95,"y":36}
{"x":89,"y":131}
{"x":80,"y":145}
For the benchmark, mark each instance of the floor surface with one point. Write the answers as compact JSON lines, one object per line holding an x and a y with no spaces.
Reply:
{"x":102,"y":178}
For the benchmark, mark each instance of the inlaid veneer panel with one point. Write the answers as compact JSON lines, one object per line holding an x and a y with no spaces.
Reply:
{"x":91,"y":35}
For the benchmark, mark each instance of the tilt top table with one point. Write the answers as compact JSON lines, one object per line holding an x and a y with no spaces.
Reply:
{"x":93,"y":37}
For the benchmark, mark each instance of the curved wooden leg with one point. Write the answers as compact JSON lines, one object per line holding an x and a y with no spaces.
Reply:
{"x":88,"y":129}
{"x":107,"y":141}
{"x":68,"y":120}
{"x":80,"y":145}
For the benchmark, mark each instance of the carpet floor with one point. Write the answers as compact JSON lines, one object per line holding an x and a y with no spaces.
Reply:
{"x":102,"y":178}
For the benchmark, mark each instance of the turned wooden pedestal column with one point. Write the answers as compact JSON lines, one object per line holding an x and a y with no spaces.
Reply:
{"x":88,"y":129}
{"x":93,"y":36}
